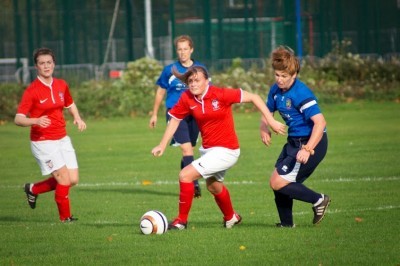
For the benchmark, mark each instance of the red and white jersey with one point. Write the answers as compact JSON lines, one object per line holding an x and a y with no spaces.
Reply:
{"x":213,"y":115}
{"x":40,"y":99}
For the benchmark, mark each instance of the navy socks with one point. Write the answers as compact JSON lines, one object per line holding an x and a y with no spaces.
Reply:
{"x":300,"y":192}
{"x":284,"y":205}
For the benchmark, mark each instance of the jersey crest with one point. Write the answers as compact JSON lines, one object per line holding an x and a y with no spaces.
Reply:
{"x":288,"y":103}
{"x":215,"y":105}
{"x":61,"y":95}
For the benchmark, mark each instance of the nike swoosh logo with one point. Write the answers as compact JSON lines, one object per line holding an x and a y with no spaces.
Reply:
{"x":42,"y":101}
{"x":192,"y":107}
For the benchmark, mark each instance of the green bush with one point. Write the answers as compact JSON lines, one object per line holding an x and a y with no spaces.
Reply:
{"x":10,"y":95}
{"x":343,"y":76}
{"x":131,"y":95}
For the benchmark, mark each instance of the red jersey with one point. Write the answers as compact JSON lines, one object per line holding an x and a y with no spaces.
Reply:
{"x":213,"y":115}
{"x":40,"y":99}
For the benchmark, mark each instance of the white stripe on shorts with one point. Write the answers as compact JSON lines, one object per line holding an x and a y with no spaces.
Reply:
{"x":291,"y":176}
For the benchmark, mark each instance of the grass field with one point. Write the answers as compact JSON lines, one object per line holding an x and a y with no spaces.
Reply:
{"x":120,"y":180}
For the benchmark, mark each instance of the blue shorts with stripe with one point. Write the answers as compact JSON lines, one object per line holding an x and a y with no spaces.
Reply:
{"x":287,"y":166}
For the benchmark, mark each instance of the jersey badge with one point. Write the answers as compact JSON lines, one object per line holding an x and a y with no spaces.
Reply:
{"x":288,"y":103}
{"x":61,"y":96}
{"x":215,"y":105}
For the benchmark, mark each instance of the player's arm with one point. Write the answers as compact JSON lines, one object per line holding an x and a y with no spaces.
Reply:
{"x":23,"y":121}
{"x":160,"y":93}
{"x":169,"y":132}
{"x":73,"y":110}
{"x":265,"y":133}
{"x":276,"y":126}
{"x":316,"y":135}
{"x":317,"y":131}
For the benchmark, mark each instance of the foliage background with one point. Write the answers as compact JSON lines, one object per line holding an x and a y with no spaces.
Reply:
{"x":339,"y":77}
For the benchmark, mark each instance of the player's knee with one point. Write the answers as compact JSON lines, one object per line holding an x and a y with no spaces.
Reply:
{"x":62,"y":176}
{"x":74,"y":182}
{"x":274,"y":183}
{"x":183,"y":177}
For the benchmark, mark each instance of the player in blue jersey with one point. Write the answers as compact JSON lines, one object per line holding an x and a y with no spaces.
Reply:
{"x":307,"y":140}
{"x":187,"y":133}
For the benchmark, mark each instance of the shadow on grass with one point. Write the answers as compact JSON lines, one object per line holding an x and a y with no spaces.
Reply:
{"x":10,"y":219}
{"x":128,"y":190}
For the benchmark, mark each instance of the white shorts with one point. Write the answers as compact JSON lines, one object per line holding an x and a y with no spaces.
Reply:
{"x":51,"y":155}
{"x":215,"y":161}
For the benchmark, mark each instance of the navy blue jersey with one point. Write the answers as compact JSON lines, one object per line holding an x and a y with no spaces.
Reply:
{"x":173,"y":85}
{"x":296,"y":106}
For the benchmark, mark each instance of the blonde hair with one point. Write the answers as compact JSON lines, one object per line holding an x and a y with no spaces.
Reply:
{"x":284,"y":59}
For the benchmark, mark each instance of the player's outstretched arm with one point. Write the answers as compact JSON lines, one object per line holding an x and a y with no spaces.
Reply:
{"x":276,"y":126}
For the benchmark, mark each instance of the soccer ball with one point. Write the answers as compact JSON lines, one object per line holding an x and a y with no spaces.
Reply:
{"x":153,"y":222}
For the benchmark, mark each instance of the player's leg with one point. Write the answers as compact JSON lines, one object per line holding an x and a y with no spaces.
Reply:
{"x":32,"y":190}
{"x":289,"y":174}
{"x":284,"y":205}
{"x":186,"y":190}
{"x":62,"y":192}
{"x":182,"y":137}
{"x":66,"y":175}
{"x":223,"y":199}
{"x":212,"y":165}
{"x":194,"y":135}
{"x":49,"y":157}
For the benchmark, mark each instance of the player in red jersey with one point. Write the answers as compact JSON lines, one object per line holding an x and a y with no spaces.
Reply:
{"x":211,"y":108}
{"x":41,"y":108}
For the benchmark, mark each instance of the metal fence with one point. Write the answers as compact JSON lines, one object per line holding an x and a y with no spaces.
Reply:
{"x":78,"y":31}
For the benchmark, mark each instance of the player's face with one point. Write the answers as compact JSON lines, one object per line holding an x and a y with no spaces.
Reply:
{"x":284,"y":80}
{"x":184,"y":51}
{"x":197,"y":84}
{"x":45,"y":66}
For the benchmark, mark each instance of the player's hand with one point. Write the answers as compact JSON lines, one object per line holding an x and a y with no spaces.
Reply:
{"x":302,"y":156}
{"x":80,"y":124}
{"x":278,"y":127}
{"x":153,"y":121}
{"x":43,"y":121}
{"x":157,"y":151}
{"x":265,"y":137}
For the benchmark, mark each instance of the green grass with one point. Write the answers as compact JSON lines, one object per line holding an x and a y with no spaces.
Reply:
{"x":361,"y":173}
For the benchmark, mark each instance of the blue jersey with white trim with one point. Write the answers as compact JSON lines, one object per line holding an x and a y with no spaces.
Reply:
{"x":296,"y":106}
{"x":172,"y":84}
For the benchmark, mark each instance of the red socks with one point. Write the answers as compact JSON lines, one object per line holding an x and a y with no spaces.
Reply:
{"x":44,"y":186}
{"x":62,"y":200}
{"x":224,"y":202}
{"x":185,"y":200}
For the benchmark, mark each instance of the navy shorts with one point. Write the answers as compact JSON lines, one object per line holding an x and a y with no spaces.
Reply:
{"x":290,"y":169}
{"x":187,"y":131}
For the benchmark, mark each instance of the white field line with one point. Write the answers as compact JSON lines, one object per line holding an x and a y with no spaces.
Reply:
{"x":246,"y":182}
{"x":360,"y":210}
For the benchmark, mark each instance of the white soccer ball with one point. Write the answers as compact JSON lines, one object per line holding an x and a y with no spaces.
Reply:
{"x":153,"y":222}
